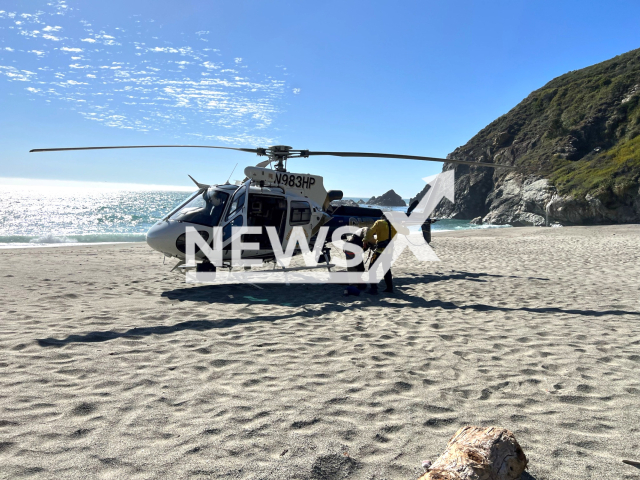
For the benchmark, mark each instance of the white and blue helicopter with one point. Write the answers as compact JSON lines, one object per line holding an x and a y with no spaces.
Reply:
{"x":268,"y":197}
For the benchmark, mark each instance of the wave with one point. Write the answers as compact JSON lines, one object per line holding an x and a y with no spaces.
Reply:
{"x":450,"y":225}
{"x":48,"y":239}
{"x":53,"y":239}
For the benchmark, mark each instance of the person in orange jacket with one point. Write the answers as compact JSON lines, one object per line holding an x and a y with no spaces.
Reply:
{"x":383,"y":232}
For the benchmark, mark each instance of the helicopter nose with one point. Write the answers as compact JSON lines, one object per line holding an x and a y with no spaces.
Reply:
{"x":157,"y":237}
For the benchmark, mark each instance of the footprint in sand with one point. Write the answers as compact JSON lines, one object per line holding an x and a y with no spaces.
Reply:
{"x":84,"y":409}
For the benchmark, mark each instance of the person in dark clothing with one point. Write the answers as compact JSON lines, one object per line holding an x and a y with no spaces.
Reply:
{"x":426,"y":226}
{"x":357,"y":239}
{"x":383,"y":232}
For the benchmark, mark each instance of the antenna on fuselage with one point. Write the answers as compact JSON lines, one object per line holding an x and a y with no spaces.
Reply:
{"x":234,"y":169}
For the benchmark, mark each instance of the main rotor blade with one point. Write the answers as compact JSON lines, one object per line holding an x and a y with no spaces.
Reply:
{"x":250,"y":150}
{"x":411,"y":157}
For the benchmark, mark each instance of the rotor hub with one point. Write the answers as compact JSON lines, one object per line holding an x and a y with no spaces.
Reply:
{"x":278,"y":154}
{"x":280,"y":149}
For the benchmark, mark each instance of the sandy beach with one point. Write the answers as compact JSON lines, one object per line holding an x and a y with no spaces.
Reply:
{"x":112,"y":367}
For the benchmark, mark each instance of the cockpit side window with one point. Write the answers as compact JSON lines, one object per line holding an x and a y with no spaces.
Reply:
{"x":236,"y":204}
{"x":300,"y":213}
{"x":204,"y":209}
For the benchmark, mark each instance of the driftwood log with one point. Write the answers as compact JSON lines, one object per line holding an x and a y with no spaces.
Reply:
{"x":475,"y":453}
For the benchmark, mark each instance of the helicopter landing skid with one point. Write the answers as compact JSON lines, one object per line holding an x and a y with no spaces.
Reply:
{"x":329,"y":266}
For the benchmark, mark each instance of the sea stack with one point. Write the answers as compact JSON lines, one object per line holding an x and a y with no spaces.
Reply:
{"x":389,"y":199}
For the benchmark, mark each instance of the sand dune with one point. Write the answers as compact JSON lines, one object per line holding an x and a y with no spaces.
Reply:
{"x":110,"y":367}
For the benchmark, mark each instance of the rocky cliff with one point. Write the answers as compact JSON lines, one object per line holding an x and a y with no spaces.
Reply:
{"x":576,"y":145}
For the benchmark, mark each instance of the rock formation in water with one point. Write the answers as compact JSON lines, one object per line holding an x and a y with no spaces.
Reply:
{"x":347,"y":202}
{"x":389,"y":199}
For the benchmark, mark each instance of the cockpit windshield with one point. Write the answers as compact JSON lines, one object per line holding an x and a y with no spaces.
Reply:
{"x":204,"y":208}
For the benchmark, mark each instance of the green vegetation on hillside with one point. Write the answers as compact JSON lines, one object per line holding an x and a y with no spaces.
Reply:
{"x":610,"y":174}
{"x":581,"y":130}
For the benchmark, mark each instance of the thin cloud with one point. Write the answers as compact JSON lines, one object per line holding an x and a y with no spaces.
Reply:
{"x":13,"y":74}
{"x":27,"y":33}
{"x":155,"y":86}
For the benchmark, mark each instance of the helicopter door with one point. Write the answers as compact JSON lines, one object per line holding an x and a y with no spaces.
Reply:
{"x":299,"y":216}
{"x":265,"y":211}
{"x":236,"y":215}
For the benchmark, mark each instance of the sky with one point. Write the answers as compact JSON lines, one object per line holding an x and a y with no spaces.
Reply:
{"x":411,"y":77}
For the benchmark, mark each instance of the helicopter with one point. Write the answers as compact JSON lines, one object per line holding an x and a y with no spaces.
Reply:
{"x":267,"y":197}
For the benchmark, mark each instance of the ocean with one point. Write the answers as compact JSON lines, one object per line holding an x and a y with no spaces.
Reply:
{"x":56,"y":215}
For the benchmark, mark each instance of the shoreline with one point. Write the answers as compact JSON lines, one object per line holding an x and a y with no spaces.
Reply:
{"x":68,"y":239}
{"x":489,"y":229}
{"x":10,"y":246}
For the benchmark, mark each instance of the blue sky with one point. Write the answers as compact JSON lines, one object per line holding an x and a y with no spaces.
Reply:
{"x":417,"y":78}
